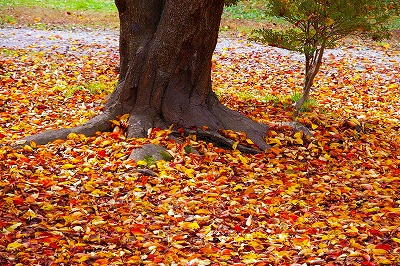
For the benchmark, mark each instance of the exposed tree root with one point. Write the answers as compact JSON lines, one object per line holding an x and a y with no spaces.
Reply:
{"x":139,"y":123}
{"x":217,"y":138}
{"x":98,"y":123}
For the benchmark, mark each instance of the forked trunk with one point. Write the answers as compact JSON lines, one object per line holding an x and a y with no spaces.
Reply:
{"x":166,"y":49}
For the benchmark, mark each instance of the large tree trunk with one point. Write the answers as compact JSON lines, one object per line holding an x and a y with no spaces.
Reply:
{"x":166,"y":48}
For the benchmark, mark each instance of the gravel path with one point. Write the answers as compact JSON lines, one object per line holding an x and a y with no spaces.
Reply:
{"x":87,"y":42}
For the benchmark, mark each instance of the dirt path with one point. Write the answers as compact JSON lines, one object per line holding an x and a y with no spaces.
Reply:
{"x":59,"y":41}
{"x":87,"y":42}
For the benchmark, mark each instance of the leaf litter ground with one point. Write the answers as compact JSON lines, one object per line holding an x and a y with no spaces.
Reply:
{"x":332,"y":199}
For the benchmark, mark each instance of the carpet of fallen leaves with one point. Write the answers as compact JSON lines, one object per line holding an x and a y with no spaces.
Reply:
{"x":333,"y":199}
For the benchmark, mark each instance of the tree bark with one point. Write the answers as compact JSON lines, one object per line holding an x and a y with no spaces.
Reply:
{"x":166,"y":49}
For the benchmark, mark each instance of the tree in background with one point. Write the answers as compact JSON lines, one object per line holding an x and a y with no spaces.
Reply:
{"x":318,"y":24}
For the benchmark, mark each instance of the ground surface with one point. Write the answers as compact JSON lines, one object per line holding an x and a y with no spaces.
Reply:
{"x":330,"y":199}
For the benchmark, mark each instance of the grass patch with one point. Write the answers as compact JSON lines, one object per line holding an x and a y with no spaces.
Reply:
{"x":254,"y":10}
{"x":8,"y":19}
{"x":308,"y":104}
{"x":247,"y":9}
{"x":271,"y":98}
{"x":77,"y":5}
{"x":50,"y":18}
{"x":93,"y":88}
{"x":289,"y":100}
{"x":394,"y":23}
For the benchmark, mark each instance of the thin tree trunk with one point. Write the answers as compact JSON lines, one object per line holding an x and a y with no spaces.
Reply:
{"x":309,"y":80}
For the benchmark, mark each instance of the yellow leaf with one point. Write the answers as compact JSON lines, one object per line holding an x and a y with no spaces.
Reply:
{"x":141,"y":163}
{"x":106,"y":143}
{"x":234,"y":146}
{"x":298,"y":135}
{"x":47,"y":207}
{"x":243,"y":159}
{"x":239,"y":239}
{"x":13,"y":227}
{"x":373,"y":209}
{"x":16,"y":128}
{"x":32,"y":144}
{"x":395,"y":239}
{"x":119,"y":155}
{"x":115,"y":122}
{"x":97,"y":192}
{"x":73,"y":136}
{"x":68,"y":166}
{"x":189,"y":172}
{"x":202,"y":211}
{"x":205,"y":230}
{"x":28,"y":148}
{"x":249,"y":141}
{"x":124,"y":118}
{"x":378,"y":251}
{"x":84,"y":258}
{"x":29,"y":214}
{"x":313,"y":126}
{"x":259,"y":235}
{"x":238,"y":187}
{"x":319,"y":225}
{"x":299,"y":141}
{"x":334,"y":145}
{"x":14,"y":245}
{"x":251,"y":258}
{"x":189,"y":225}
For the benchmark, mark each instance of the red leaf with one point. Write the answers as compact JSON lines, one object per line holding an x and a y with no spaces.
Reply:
{"x":137,"y":231}
{"x":102,"y":262}
{"x":374,"y":232}
{"x":293,"y":217}
{"x":18,"y":200}
{"x":144,"y":179}
{"x":53,"y":245}
{"x":343,"y":243}
{"x":383,"y":246}
{"x":158,"y":259}
{"x":238,"y":228}
{"x":102,"y":153}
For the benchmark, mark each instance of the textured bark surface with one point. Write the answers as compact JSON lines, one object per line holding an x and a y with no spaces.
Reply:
{"x":166,"y":49}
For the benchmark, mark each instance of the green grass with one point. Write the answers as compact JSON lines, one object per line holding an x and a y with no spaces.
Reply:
{"x":94,"y":5}
{"x":394,"y":23}
{"x":247,"y":9}
{"x":308,"y":104}
{"x":254,"y":10}
{"x":93,"y":88}
{"x":271,"y":98}
{"x":10,"y":19}
{"x":289,"y":100}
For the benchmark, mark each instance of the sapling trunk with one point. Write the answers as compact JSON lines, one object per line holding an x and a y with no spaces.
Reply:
{"x":313,"y":64}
